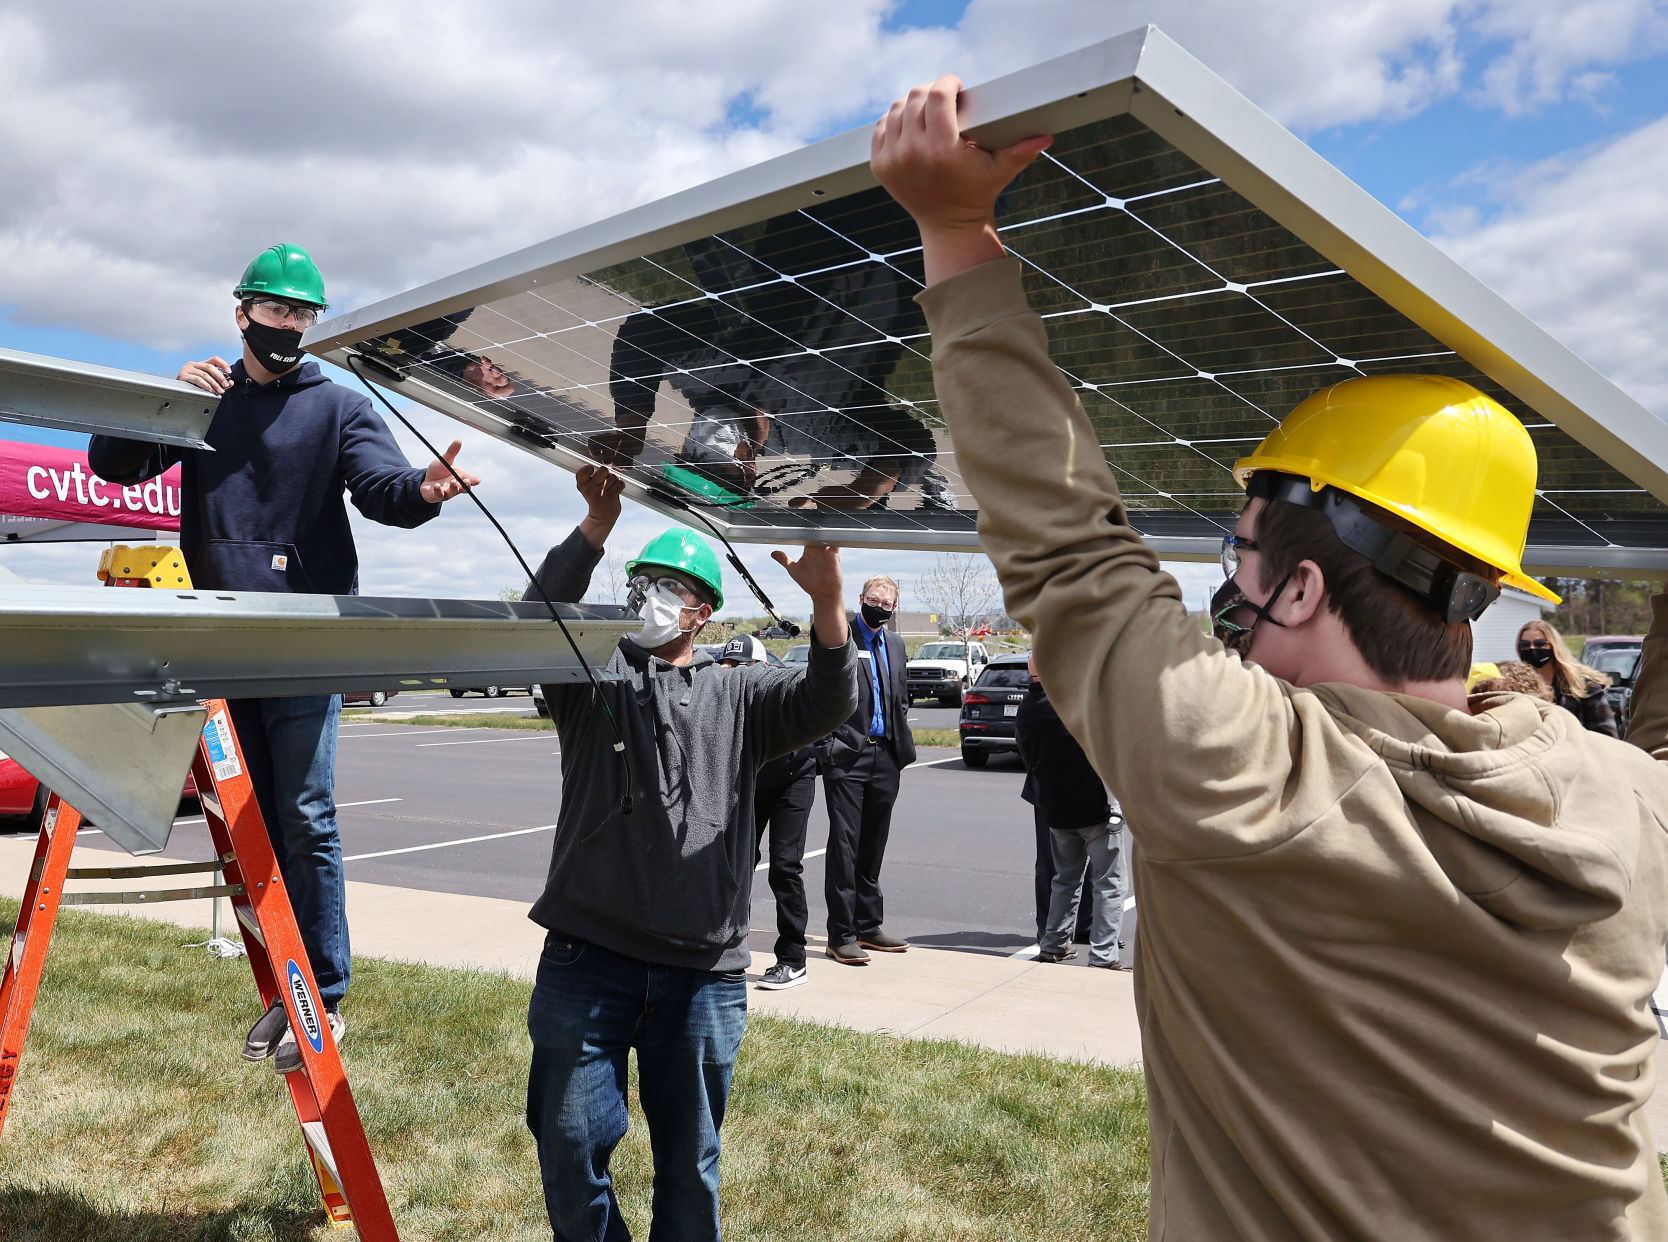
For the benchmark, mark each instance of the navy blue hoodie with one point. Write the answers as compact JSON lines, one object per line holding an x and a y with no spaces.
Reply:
{"x":264,"y":511}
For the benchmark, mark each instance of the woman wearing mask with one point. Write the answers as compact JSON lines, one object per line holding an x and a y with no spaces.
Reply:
{"x":1575,"y":687}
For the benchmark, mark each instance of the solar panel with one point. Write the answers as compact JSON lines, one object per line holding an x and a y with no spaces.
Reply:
{"x":750,"y":349}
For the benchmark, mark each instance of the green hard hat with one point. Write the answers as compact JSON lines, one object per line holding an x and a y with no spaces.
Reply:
{"x":284,"y":271}
{"x":685,"y":551}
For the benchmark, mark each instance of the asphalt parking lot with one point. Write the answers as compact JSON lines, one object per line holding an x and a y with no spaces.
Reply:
{"x":472,"y":810}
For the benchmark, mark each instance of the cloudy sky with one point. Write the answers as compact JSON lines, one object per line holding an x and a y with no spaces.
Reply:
{"x":149,"y":150}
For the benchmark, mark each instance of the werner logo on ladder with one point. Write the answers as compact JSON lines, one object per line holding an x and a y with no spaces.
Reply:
{"x":348,"y":1181}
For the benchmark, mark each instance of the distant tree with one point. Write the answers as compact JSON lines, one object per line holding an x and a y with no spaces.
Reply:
{"x":1602,"y":606}
{"x":608,"y":579}
{"x":961,"y":588}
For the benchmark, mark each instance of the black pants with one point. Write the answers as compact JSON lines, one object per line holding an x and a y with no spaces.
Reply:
{"x":784,"y":811}
{"x":860,"y":802}
{"x":1044,"y":875}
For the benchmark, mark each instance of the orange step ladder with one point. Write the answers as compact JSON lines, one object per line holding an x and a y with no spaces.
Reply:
{"x":335,"y":1139}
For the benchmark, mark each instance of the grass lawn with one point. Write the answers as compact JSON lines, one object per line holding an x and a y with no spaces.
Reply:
{"x":481,"y":720}
{"x":135,"y":1119}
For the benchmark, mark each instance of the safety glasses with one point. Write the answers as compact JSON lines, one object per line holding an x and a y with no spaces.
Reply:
{"x":272,"y":313}
{"x":638,"y":587}
{"x":1232,"y":545}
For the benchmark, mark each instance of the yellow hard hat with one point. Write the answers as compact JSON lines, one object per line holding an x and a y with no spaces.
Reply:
{"x":1433,"y":450}
{"x":1482,"y":670}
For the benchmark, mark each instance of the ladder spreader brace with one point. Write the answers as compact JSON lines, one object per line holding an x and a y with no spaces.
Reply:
{"x":329,"y":1119}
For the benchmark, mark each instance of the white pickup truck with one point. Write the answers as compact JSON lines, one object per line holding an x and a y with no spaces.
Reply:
{"x":945,"y":670}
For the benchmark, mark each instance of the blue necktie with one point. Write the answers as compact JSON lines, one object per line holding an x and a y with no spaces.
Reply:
{"x":877,"y":718}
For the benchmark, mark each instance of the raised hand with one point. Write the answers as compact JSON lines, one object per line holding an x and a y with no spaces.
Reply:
{"x":948,"y":183}
{"x":817,"y":571}
{"x":600,"y":488}
{"x":438,"y":484}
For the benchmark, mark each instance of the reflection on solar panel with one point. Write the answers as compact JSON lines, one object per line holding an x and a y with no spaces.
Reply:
{"x":751,"y":347}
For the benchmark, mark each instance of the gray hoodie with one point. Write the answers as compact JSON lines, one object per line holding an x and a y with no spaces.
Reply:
{"x":671,"y":883}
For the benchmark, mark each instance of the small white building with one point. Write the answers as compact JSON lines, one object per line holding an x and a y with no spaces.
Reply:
{"x":1494,"y":634}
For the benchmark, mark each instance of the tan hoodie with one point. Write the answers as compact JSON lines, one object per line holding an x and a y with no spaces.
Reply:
{"x":1395,"y":960}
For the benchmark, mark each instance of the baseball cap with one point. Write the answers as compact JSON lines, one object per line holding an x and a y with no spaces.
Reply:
{"x":744,"y":649}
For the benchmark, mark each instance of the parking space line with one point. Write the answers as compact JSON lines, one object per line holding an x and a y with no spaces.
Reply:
{"x":440,"y":845}
{"x":481,"y":741}
{"x":199,"y":819}
{"x":933,"y":763}
{"x":764,"y":866}
{"x":402,"y":733}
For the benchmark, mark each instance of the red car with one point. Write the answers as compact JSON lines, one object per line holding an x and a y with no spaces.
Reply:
{"x":22,"y":794}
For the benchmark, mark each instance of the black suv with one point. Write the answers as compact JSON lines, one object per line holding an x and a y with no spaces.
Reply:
{"x":1617,"y":655}
{"x":989,"y":708}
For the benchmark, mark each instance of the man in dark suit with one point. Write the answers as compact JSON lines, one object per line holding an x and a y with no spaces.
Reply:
{"x":861,"y":762}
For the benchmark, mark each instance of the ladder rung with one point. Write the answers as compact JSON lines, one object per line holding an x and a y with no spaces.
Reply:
{"x":251,"y":925}
{"x":134,"y":873}
{"x":317,"y":1140}
{"x":150,"y":898}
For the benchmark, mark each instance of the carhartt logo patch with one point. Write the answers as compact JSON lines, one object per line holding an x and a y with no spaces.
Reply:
{"x":280,"y":563}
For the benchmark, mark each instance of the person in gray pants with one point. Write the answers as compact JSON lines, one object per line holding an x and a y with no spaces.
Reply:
{"x":1085,"y":827}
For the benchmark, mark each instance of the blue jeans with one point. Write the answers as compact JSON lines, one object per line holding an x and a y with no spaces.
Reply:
{"x":289,"y":746}
{"x":589,"y":1008}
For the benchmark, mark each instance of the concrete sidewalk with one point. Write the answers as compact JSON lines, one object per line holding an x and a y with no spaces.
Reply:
{"x":1012,"y":1005}
{"x":1063,"y":1011}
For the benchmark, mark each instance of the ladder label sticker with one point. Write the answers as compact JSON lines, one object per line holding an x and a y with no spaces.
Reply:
{"x":217,"y":736}
{"x":308,"y":1012}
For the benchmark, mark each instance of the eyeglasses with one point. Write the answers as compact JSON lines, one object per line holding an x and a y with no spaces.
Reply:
{"x":272,"y":313}
{"x":1232,"y":545}
{"x":638,"y":587}
{"x":877,"y":601}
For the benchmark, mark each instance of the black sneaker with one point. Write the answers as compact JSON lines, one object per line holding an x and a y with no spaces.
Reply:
{"x":263,"y":1037}
{"x":782,"y":975}
{"x":847,"y":954}
{"x":287,"y":1060}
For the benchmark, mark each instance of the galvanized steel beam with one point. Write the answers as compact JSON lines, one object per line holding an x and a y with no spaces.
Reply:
{"x":68,"y":645}
{"x":78,"y":396}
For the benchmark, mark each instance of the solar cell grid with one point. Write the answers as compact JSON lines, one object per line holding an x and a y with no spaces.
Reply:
{"x":777,"y":371}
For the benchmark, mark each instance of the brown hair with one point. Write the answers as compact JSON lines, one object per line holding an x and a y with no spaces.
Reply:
{"x":1400,"y":636}
{"x":880,"y":580}
{"x":1571,"y":676}
{"x":1515,"y":677}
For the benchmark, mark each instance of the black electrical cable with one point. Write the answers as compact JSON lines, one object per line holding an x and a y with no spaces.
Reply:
{"x":596,"y":686}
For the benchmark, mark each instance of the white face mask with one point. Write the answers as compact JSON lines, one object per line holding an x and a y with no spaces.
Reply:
{"x":661,"y":611}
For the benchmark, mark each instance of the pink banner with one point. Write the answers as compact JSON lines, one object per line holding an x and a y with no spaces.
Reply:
{"x":41,"y":482}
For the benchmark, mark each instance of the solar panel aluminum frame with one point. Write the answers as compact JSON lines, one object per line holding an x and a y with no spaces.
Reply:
{"x":1148,"y":76}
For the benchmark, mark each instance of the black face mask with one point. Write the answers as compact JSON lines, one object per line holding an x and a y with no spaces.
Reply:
{"x":276,"y":349}
{"x":1535,"y":657}
{"x":874,"y":617}
{"x":1229,"y":598}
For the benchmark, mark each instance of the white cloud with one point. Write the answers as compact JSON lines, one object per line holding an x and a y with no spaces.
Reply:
{"x":1579,"y":245}
{"x":151,"y":149}
{"x":1548,"y":48}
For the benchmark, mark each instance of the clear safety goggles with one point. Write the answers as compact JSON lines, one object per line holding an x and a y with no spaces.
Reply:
{"x":638,"y":587}
{"x":273,"y":313}
{"x":1232,"y":545}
